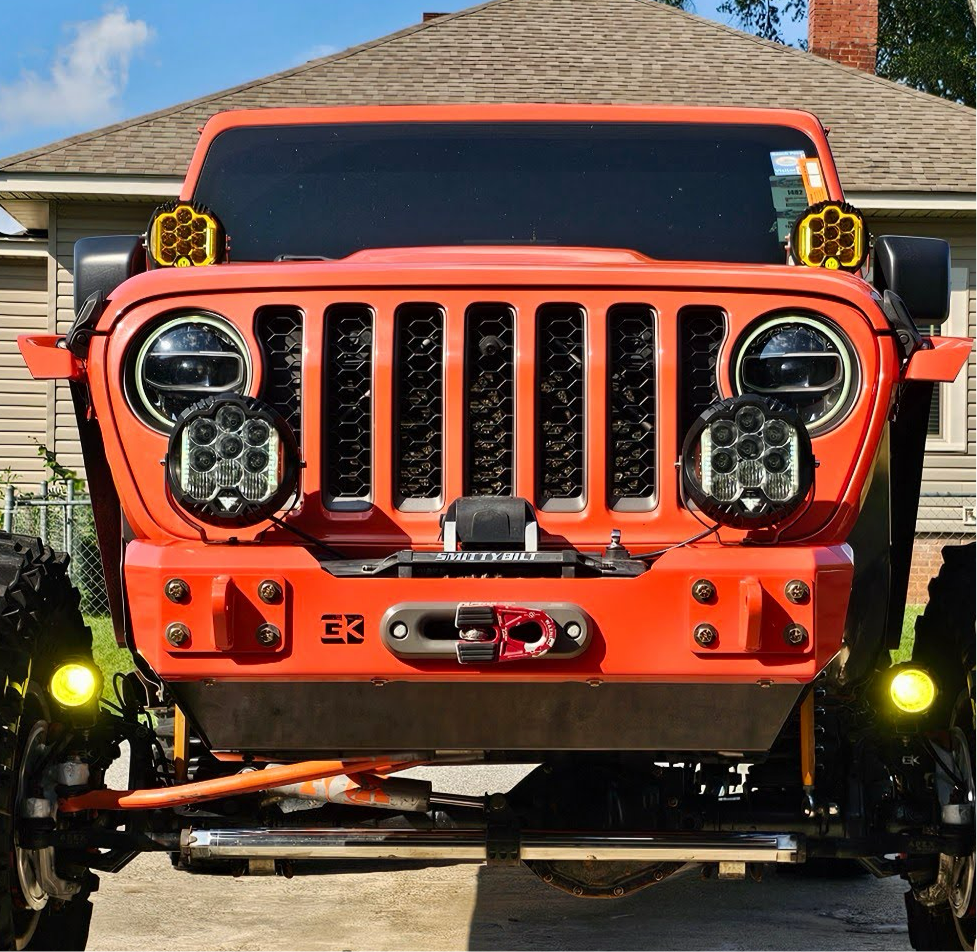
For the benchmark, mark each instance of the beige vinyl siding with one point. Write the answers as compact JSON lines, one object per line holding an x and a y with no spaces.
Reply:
{"x":69,"y":222}
{"x":23,"y":400}
{"x":947,"y":471}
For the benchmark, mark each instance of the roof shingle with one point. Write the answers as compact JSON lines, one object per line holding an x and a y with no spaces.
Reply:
{"x":886,"y":137}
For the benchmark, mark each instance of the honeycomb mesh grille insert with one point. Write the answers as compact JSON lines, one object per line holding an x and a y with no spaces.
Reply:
{"x":631,"y":403}
{"x":419,"y":407}
{"x":489,"y":400}
{"x":348,"y":403}
{"x":560,"y":350}
{"x":701,"y":333}
{"x":279,"y":332}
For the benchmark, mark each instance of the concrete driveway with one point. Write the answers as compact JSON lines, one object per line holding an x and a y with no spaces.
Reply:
{"x":361,"y":905}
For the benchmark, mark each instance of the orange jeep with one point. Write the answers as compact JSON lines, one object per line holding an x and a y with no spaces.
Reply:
{"x":562,"y":435}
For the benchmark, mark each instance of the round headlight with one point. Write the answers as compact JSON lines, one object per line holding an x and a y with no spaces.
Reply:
{"x":803,"y":362}
{"x":232,"y":461}
{"x":747,"y":462}
{"x":182,"y":361}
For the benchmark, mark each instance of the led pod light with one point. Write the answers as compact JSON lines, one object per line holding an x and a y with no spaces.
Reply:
{"x":232,"y":461}
{"x":747,"y":462}
{"x":184,"y":235}
{"x":830,"y":235}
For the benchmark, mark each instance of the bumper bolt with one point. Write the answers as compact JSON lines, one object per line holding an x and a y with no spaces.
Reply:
{"x":574,"y":631}
{"x":797,"y":591}
{"x":705,"y":635}
{"x":269,"y":592}
{"x":176,"y":590}
{"x":795,"y":634}
{"x":268,"y":635}
{"x":703,"y":591}
{"x":399,"y":630}
{"x":177,"y":635}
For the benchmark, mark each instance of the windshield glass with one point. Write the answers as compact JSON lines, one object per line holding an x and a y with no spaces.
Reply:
{"x":673,"y":191}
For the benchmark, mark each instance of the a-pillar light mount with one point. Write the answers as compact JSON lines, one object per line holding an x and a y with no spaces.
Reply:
{"x":232,"y":461}
{"x":747,"y":462}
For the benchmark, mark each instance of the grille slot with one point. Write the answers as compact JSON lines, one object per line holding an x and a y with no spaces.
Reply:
{"x":631,"y":406}
{"x":489,"y":400}
{"x":348,"y":406}
{"x":279,"y":332}
{"x":701,"y":332}
{"x":419,"y":406}
{"x":560,"y":350}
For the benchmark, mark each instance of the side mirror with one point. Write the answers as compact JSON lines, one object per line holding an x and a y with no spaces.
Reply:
{"x":918,"y":271}
{"x":102,"y":264}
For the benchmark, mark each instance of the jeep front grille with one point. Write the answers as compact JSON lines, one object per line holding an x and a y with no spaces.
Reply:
{"x":279,"y":332}
{"x":701,"y":332}
{"x":348,"y":405}
{"x":560,"y":406}
{"x":557,"y":402}
{"x":489,"y":400}
{"x":631,"y":406}
{"x":419,"y":406}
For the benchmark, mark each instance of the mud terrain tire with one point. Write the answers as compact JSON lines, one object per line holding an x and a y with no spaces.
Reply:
{"x":39,"y":624}
{"x":945,"y":646}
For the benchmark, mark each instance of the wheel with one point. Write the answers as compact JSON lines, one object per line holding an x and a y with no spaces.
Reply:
{"x":944,"y":641}
{"x":39,"y":624}
{"x":940,"y":907}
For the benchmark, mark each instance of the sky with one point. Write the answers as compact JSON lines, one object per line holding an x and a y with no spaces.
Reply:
{"x":68,"y":66}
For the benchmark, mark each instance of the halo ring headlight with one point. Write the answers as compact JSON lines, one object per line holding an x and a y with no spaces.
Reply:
{"x":182,"y":360}
{"x":755,"y":481}
{"x":801,"y":360}
{"x":243,"y":473}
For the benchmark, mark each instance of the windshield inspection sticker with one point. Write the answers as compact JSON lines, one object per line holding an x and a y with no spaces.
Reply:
{"x":786,"y":163}
{"x":789,"y":201}
{"x":813,"y":181}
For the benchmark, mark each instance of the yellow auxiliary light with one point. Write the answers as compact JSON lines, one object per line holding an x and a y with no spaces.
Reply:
{"x":830,"y":235}
{"x":75,"y":684}
{"x":182,"y":235}
{"x":912,"y":690}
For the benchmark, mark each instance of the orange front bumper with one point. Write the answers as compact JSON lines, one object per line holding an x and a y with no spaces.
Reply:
{"x":641,"y":628}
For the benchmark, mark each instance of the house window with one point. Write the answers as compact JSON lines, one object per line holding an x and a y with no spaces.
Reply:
{"x":947,"y":429}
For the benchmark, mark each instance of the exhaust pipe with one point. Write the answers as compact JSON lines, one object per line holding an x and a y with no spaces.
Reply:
{"x":471,"y":846}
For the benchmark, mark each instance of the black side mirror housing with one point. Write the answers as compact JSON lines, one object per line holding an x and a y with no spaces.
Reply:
{"x":918,"y":271}
{"x":103,"y":263}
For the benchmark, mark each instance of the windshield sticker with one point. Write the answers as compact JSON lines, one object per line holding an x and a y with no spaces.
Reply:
{"x":789,"y":202}
{"x":813,"y":181}
{"x":786,"y":163}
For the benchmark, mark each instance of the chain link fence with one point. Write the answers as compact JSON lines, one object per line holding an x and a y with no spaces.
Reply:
{"x":944,"y":519}
{"x":62,"y":518}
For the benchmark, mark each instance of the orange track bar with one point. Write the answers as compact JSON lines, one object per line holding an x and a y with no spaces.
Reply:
{"x":250,"y":782}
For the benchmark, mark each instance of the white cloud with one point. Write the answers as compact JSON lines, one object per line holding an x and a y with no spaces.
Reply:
{"x":86,"y":79}
{"x":317,"y":52}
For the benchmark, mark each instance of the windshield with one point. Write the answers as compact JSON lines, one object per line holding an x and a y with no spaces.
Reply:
{"x":673,"y":191}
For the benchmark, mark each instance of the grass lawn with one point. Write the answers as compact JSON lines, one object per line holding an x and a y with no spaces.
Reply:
{"x":111,"y":658}
{"x":905,"y":650}
{"x":108,"y":655}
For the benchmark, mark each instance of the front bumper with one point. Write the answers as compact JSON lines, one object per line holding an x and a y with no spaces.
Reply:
{"x":640,"y":629}
{"x":316,"y":689}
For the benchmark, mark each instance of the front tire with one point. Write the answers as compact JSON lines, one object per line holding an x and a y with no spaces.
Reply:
{"x":945,"y":646}
{"x":40,"y":623}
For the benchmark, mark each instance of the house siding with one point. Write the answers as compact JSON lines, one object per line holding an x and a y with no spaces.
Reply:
{"x":69,"y":222}
{"x":23,"y":401}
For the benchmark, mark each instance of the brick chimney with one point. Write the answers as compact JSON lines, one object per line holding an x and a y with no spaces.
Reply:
{"x":431,"y":16}
{"x":845,"y":31}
